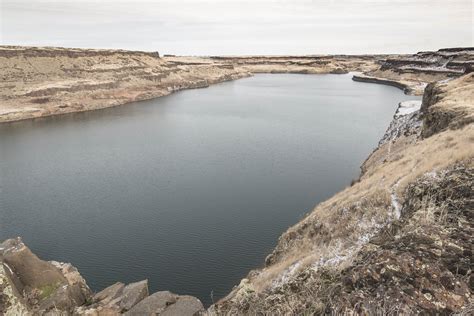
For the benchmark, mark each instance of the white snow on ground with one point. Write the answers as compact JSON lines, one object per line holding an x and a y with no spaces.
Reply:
{"x":433,"y":69}
{"x":408,"y":107}
{"x":286,"y":275}
{"x":432,"y":174}
{"x":397,"y":207}
{"x":445,"y":80}
{"x":367,"y":227}
{"x":420,"y":85}
{"x":449,"y":54}
{"x":340,"y":252}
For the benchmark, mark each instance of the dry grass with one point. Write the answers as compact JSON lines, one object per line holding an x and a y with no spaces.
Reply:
{"x":348,"y":221}
{"x":357,"y":210}
{"x":355,"y":288}
{"x":336,"y":229}
{"x":467,"y":311}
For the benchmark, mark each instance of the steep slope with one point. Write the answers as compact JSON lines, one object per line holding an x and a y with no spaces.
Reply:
{"x":399,"y":239}
{"x":39,"y":82}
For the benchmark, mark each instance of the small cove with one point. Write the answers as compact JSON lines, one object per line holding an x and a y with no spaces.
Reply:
{"x":192,"y":190}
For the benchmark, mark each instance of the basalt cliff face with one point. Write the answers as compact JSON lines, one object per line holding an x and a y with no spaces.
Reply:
{"x":37,"y":82}
{"x":31,"y":286}
{"x":398,"y":240}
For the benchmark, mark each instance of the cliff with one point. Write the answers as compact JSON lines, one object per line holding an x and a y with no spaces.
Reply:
{"x":38,"y":82}
{"x":44,"y":81}
{"x":398,"y":240}
{"x":31,"y":286}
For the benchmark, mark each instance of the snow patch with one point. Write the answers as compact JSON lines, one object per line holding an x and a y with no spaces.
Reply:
{"x":408,"y":107}
{"x":396,"y":205}
{"x":286,"y":275}
{"x":432,"y":174}
{"x":339,"y":253}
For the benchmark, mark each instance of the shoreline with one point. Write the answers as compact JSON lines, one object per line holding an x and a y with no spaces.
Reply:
{"x":397,"y":84}
{"x":146,"y":98}
{"x":404,"y":87}
{"x":46,"y":81}
{"x":41,"y":82}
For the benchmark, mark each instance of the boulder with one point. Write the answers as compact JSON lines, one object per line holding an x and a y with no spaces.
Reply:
{"x":45,"y":286}
{"x":110,"y":293}
{"x":116,"y":298}
{"x":30,"y":270}
{"x":132,"y":294}
{"x":153,"y":304}
{"x":74,"y":279}
{"x":11,"y":301}
{"x":64,"y":298}
{"x":29,"y":285}
{"x":184,"y":306}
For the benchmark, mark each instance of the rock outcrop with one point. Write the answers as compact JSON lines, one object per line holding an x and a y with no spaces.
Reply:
{"x":31,"y":286}
{"x":412,"y":73}
{"x":40,"y":286}
{"x":444,"y":110}
{"x":37,"y":82}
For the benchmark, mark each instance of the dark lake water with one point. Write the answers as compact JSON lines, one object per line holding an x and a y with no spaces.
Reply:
{"x":191,"y":190}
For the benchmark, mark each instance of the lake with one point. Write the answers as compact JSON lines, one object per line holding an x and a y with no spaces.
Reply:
{"x":192,"y":190}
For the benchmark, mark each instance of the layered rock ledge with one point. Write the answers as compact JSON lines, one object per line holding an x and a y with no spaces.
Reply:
{"x":31,"y":286}
{"x":44,"y":81}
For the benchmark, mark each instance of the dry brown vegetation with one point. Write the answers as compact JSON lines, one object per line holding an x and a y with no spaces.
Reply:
{"x":308,"y":265}
{"x":44,"y":81}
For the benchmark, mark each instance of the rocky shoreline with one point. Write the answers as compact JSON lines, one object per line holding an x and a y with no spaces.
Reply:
{"x":398,"y":240}
{"x":31,"y":286}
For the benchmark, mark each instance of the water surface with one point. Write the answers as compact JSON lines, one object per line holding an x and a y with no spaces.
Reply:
{"x":191,"y":190}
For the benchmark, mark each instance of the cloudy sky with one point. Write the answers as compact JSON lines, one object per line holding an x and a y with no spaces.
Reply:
{"x":206,"y":27}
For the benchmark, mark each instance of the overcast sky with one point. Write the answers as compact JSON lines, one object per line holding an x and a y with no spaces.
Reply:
{"x":195,"y":27}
